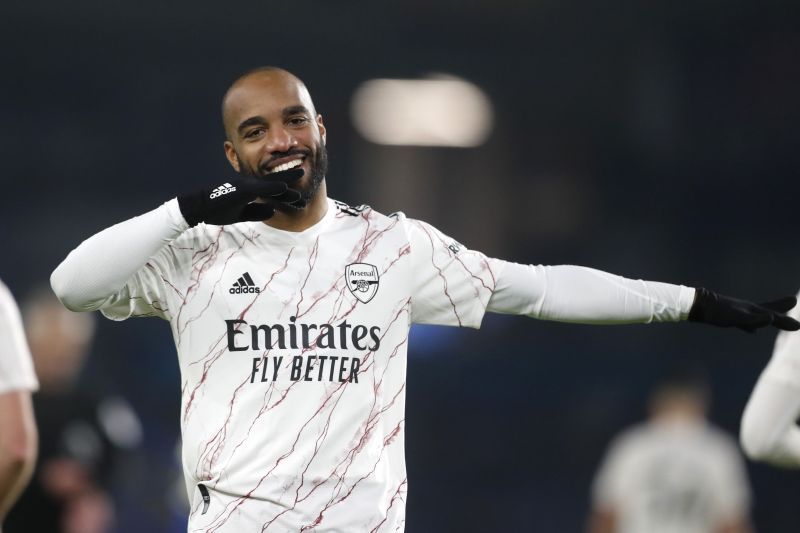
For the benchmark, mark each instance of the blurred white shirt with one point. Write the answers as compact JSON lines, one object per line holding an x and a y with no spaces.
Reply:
{"x":676,"y":477}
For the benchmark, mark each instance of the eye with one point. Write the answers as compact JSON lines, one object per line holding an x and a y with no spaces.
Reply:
{"x":254,"y":134}
{"x":298,"y":121}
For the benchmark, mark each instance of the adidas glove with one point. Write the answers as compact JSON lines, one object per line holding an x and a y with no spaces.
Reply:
{"x":232,"y":201}
{"x":718,"y":310}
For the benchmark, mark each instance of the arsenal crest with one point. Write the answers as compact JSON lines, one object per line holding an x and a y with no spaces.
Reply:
{"x":362,"y":280}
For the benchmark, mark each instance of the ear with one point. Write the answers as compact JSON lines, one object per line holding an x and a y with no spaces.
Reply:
{"x":322,"y":131}
{"x":230,"y":153}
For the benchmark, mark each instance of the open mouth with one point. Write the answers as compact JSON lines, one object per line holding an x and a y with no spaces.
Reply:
{"x":286,"y":166}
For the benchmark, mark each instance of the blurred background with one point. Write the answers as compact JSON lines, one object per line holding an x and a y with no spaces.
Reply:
{"x":655,"y":140}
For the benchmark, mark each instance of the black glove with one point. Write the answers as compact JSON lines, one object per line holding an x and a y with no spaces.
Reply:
{"x":231,"y":202}
{"x":719,"y":310}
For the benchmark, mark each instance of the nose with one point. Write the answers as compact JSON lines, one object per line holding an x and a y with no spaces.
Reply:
{"x":279,"y":139}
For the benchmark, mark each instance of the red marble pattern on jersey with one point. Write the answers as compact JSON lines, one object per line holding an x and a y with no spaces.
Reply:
{"x":440,"y":272}
{"x":485,"y":268}
{"x":312,"y":259}
{"x":371,"y":237}
{"x":211,"y":356}
{"x":373,"y":419}
{"x":231,"y":507}
{"x":212,"y":292}
{"x":217,"y":441}
{"x":365,"y":363}
{"x":399,"y":494}
{"x":200,"y":264}
{"x":371,"y":422}
{"x":329,"y":403}
{"x":201,"y":261}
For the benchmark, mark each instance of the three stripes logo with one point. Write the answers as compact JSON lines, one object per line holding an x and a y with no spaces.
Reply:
{"x":244,"y":285}
{"x":223,"y":189}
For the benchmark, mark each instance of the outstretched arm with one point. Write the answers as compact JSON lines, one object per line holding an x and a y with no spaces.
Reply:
{"x":568,"y":293}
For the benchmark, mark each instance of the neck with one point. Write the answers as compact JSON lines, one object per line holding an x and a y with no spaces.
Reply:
{"x":306,"y":217}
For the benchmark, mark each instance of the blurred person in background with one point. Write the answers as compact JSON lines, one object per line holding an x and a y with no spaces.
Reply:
{"x":290,"y":312}
{"x":18,"y":437}
{"x":676,"y":473}
{"x":769,"y":430}
{"x":83,"y":431}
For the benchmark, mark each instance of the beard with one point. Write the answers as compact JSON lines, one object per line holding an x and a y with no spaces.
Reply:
{"x":318,"y":164}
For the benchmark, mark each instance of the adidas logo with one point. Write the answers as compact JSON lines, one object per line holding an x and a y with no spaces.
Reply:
{"x":244,"y":284}
{"x":225,"y":188}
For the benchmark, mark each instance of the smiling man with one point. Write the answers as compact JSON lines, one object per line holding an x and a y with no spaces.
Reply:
{"x":257,"y":148}
{"x":290,"y":313}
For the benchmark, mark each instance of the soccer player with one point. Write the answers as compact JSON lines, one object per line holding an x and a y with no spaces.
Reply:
{"x":290,"y":313}
{"x":769,"y":430}
{"x":84,"y":433}
{"x":674,"y":474}
{"x":17,"y":427}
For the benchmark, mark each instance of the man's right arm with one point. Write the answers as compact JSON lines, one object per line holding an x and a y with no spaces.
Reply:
{"x":101,"y":265}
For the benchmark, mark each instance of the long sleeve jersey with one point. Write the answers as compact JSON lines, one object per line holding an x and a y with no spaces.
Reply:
{"x":292,"y":347}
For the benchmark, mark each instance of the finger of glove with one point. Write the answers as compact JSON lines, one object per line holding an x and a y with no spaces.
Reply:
{"x":287,"y":176}
{"x":255,"y":212}
{"x":756,"y":321}
{"x":752,"y":319}
{"x":265,"y":189}
{"x":785,"y":323}
{"x":289,"y":196}
{"x":782,"y":305}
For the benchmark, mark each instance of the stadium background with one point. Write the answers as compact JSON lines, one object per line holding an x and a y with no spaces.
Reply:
{"x":650,"y":139}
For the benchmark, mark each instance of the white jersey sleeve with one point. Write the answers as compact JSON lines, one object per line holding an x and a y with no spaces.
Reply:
{"x":451,"y":284}
{"x":456,"y":286}
{"x":128,"y":269}
{"x":151,"y":291}
{"x":568,"y":293}
{"x":16,"y":366}
{"x":769,"y":430}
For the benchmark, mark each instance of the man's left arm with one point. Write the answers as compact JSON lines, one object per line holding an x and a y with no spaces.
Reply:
{"x":569,"y":293}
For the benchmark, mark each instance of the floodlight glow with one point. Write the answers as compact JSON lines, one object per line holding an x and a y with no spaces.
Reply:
{"x":429,"y":112}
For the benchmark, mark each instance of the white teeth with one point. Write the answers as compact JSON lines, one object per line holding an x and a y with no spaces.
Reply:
{"x":287,"y":166}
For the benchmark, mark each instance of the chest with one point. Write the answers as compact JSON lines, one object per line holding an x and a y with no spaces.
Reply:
{"x":345,"y":274}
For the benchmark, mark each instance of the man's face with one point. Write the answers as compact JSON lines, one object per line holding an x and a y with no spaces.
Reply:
{"x":272,"y":125}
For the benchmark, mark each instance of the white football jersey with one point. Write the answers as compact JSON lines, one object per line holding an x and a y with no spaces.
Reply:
{"x":292,"y":350}
{"x":681,"y":478}
{"x":16,"y":366}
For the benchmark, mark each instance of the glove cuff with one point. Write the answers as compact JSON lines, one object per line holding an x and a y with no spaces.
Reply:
{"x":704,"y":300}
{"x":190,"y":207}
